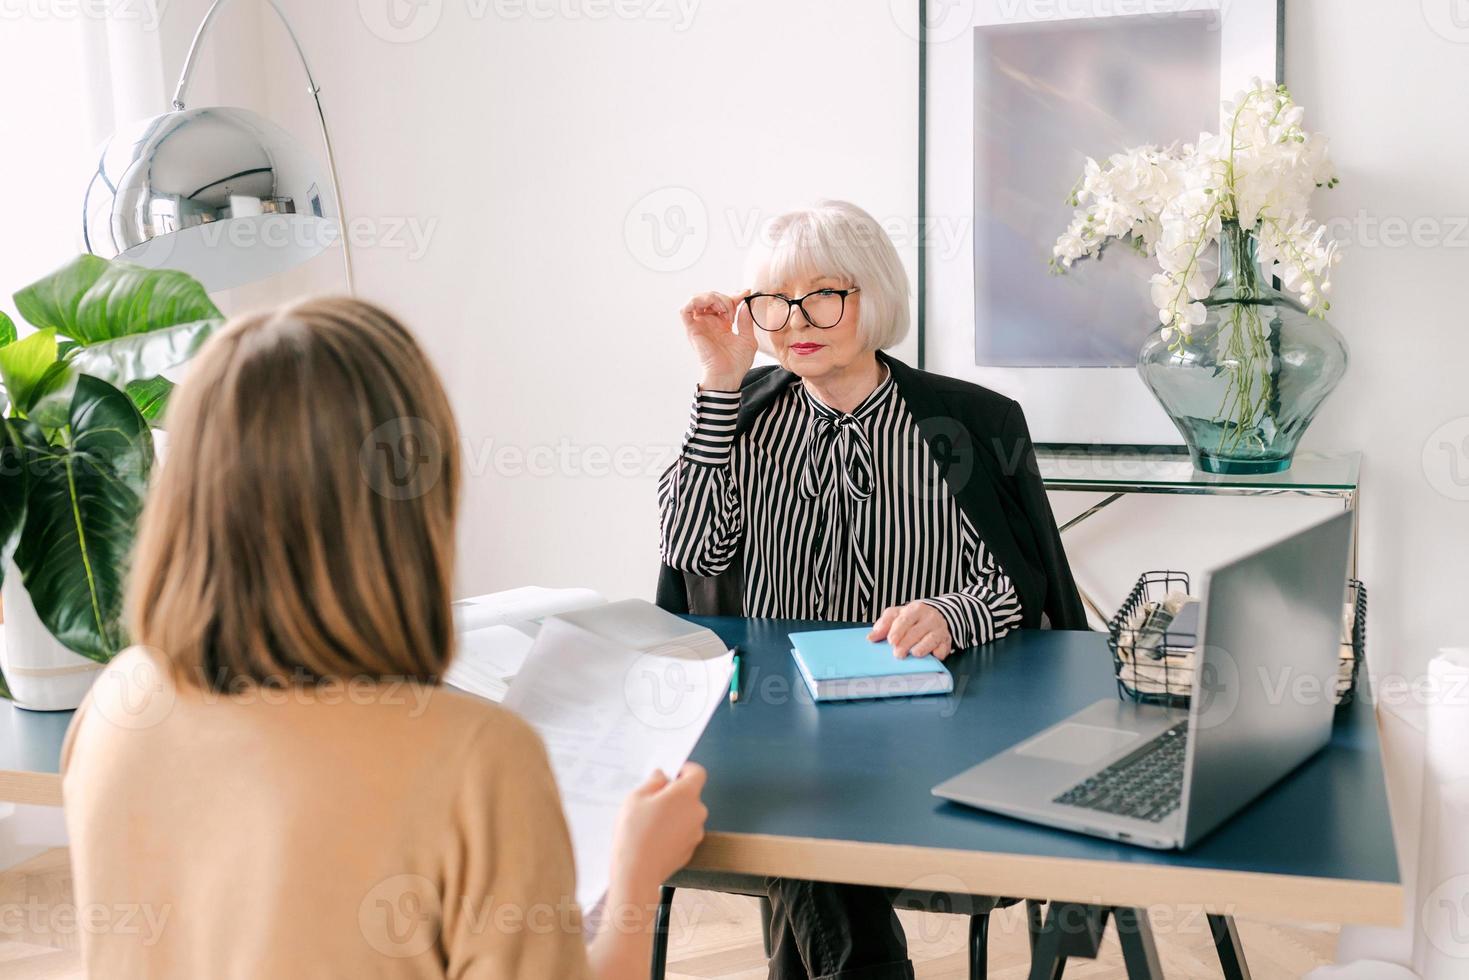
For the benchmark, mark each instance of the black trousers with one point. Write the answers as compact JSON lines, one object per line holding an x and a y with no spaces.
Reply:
{"x":821,"y":931}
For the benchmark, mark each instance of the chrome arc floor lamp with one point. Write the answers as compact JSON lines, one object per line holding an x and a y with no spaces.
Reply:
{"x":219,"y":192}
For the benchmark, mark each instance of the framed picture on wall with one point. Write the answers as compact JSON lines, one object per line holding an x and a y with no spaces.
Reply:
{"x":1014,"y":96}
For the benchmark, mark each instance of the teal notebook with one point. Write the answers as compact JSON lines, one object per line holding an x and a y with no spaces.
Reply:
{"x":843,"y":665}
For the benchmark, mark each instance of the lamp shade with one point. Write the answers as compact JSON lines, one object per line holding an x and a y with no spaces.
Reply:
{"x":218,"y":192}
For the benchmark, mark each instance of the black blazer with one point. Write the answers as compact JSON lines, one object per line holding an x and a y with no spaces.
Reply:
{"x":983,"y":448}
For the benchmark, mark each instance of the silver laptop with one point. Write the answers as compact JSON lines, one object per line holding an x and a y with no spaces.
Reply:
{"x":1262,"y":703}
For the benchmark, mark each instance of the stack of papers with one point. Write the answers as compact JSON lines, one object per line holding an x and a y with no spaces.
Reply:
{"x":487,"y":660}
{"x":615,"y":694}
{"x":496,"y":631}
{"x":527,"y":605}
{"x":615,"y":691}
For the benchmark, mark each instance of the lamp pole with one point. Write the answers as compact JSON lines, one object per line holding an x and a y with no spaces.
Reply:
{"x":311,"y":87}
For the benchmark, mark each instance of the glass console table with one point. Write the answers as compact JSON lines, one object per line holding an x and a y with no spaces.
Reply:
{"x":1117,"y":471}
{"x":1171,"y":471}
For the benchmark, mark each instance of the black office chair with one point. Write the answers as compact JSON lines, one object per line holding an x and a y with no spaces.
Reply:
{"x":977,"y":907}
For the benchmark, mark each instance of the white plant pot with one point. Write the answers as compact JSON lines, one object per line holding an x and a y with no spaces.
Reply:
{"x":43,"y":675}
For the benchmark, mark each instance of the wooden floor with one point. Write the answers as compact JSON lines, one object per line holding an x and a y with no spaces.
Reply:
{"x":36,"y":941}
{"x":718,"y":936}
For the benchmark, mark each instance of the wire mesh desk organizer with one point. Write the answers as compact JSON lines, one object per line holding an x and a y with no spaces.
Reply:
{"x":1154,"y":640}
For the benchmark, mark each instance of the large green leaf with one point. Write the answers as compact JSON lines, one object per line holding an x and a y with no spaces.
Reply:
{"x":91,"y":302}
{"x":53,"y":300}
{"x":139,"y":357}
{"x":15,"y":436}
{"x":138,"y":364}
{"x":81,"y":514}
{"x":51,"y":406}
{"x":24,"y":364}
{"x":151,"y":398}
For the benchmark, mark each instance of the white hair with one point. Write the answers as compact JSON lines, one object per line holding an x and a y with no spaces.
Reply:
{"x":836,"y":238}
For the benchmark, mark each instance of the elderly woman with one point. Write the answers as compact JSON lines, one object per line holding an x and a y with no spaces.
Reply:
{"x":844,"y":485}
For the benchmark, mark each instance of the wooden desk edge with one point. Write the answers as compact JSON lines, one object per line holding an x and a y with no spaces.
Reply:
{"x":1272,"y":897}
{"x":1264,"y":896}
{"x":34,"y":788}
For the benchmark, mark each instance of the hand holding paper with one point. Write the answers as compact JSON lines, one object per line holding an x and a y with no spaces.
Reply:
{"x":611,"y":715}
{"x":661,"y":823}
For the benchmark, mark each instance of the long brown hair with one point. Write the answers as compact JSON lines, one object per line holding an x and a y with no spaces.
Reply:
{"x":301,"y":526}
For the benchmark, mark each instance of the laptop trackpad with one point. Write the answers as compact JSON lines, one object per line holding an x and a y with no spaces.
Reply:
{"x":1076,"y":743}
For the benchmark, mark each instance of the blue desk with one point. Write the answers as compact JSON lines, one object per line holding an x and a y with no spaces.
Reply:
{"x":840,"y":792}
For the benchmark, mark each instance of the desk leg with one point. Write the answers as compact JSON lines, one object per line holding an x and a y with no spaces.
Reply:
{"x":1076,"y":930}
{"x":1139,"y":951}
{"x":1231,"y":948}
{"x":1069,"y":930}
{"x":1035,"y":920}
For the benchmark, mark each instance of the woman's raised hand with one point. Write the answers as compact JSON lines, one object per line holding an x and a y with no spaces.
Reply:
{"x":726,"y":348}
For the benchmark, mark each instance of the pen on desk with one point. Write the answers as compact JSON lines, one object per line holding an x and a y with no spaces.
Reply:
{"x":734,"y":678}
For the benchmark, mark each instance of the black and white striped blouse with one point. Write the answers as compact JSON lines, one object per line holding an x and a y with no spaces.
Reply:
{"x":839,"y":515}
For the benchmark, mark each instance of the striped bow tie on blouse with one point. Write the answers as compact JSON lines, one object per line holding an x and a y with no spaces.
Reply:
{"x":839,"y":471}
{"x":838,"y":452}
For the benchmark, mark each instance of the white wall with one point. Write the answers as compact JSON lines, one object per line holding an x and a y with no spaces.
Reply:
{"x":1386,"y":81}
{"x":520,"y":145}
{"x":43,"y":163}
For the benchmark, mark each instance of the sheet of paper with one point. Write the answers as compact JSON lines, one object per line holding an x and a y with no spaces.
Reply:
{"x":487,"y":660}
{"x":640,"y":625}
{"x":609,"y":717}
{"x":526,"y":605}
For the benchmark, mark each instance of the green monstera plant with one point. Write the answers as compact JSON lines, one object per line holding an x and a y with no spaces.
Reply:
{"x":76,"y":449}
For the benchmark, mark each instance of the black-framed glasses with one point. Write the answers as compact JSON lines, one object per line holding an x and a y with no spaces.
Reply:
{"x":823,"y":308}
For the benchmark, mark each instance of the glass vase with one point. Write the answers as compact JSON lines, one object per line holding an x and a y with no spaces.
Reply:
{"x":1243,"y":386}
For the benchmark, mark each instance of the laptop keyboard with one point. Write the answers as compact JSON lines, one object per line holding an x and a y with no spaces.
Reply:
{"x":1146,"y":784}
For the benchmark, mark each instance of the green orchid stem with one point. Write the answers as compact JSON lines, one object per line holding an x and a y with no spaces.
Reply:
{"x":1252,"y":388}
{"x":1252,"y":395}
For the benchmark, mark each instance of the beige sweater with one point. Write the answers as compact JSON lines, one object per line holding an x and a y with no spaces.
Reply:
{"x":358,"y":831}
